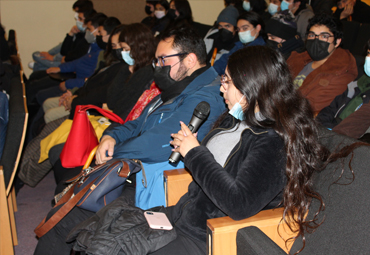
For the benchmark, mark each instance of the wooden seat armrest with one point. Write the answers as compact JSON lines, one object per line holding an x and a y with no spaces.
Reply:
{"x":176,"y":184}
{"x":221,"y":232}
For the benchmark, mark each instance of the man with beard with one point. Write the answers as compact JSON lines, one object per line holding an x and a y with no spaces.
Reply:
{"x":185,"y":80}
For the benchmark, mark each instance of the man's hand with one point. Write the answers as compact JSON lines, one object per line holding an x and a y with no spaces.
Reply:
{"x":47,"y":56}
{"x":53,"y":70}
{"x":63,"y":59}
{"x":184,"y":140}
{"x":74,"y":30}
{"x":68,"y":103}
{"x":348,"y":10}
{"x":64,"y":97}
{"x":107,"y":144}
{"x":62,"y":86}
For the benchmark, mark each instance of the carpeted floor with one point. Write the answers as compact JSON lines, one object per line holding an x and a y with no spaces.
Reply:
{"x":33,"y":205}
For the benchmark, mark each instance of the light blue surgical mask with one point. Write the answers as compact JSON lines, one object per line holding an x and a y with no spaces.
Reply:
{"x":284,"y":5}
{"x":246,"y":6}
{"x":367,"y":66}
{"x":80,"y":26}
{"x":246,"y":36}
{"x":273,"y":8}
{"x":237,"y":110}
{"x":90,"y":37}
{"x":127,"y":58}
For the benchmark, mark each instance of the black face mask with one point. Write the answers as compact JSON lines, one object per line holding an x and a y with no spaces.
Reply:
{"x":162,"y":77}
{"x":225,"y":35}
{"x":99,"y":40}
{"x":147,"y":10}
{"x":117,"y":54}
{"x":318,"y":50}
{"x":273,"y":44}
{"x":171,"y":14}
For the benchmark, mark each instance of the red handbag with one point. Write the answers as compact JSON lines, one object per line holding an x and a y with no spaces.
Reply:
{"x":82,"y":137}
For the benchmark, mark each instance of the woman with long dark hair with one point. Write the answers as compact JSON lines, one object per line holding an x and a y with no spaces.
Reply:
{"x":278,"y":150}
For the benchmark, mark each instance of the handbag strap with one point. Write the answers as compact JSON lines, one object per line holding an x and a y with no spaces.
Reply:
{"x":110,"y":115}
{"x":45,"y":226}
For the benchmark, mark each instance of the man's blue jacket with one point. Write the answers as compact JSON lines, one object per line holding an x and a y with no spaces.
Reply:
{"x":220,"y":65}
{"x":84,"y":67}
{"x":147,"y":138}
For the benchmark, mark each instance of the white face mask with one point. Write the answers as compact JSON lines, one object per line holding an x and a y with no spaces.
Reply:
{"x":367,"y":66}
{"x":237,"y":110}
{"x":127,"y":58}
{"x":246,"y":6}
{"x":273,"y":8}
{"x":159,"y":14}
{"x":246,"y":36}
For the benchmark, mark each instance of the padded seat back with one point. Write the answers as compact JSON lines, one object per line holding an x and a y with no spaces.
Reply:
{"x":345,"y":229}
{"x":15,"y":131}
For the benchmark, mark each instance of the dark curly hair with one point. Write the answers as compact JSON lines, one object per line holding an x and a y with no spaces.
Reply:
{"x":142,"y":44}
{"x":268,"y":84}
{"x":323,"y":19}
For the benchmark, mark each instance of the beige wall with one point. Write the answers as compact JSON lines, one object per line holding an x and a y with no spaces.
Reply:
{"x":42,"y":24}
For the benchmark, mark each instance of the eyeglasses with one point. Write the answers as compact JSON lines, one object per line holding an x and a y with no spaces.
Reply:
{"x":224,"y":80}
{"x":322,"y":36}
{"x":160,"y":60}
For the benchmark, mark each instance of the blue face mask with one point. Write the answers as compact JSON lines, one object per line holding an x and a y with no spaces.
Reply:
{"x":237,"y":110}
{"x":367,"y":66}
{"x":127,"y":58}
{"x":80,"y":26}
{"x":273,"y":8}
{"x":284,"y":5}
{"x":246,"y":6}
{"x":246,"y":36}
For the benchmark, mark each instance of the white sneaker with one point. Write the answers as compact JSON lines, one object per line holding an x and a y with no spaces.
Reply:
{"x":31,"y":64}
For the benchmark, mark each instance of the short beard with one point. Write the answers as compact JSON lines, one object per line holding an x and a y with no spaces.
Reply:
{"x":181,"y":73}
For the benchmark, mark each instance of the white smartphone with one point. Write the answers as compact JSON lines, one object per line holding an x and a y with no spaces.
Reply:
{"x":157,"y":220}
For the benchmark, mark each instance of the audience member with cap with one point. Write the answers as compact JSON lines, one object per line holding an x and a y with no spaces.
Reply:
{"x":282,"y":34}
{"x":223,"y":38}
{"x":251,"y":31}
{"x":302,"y":13}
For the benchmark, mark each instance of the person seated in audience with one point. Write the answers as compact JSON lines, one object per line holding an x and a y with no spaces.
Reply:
{"x":301,"y":11}
{"x":126,"y":92}
{"x":185,"y":80}
{"x":224,"y":36}
{"x":83,"y":67}
{"x":353,"y":10}
{"x":258,"y":6}
{"x":67,"y":50}
{"x":94,"y":89}
{"x":149,"y":10}
{"x":282,"y":34}
{"x":273,"y":7}
{"x":320,"y":6}
{"x":251,"y":31}
{"x":344,"y":105}
{"x":265,"y":119}
{"x":181,"y":14}
{"x":324,"y":70}
{"x":162,"y":20}
{"x":238,"y":4}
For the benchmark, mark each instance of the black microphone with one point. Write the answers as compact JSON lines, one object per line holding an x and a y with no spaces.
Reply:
{"x":200,"y":113}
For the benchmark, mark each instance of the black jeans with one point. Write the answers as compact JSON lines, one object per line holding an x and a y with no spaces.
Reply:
{"x":53,"y":242}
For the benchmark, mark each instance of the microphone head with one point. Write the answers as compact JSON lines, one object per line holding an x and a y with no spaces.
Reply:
{"x":202,"y":110}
